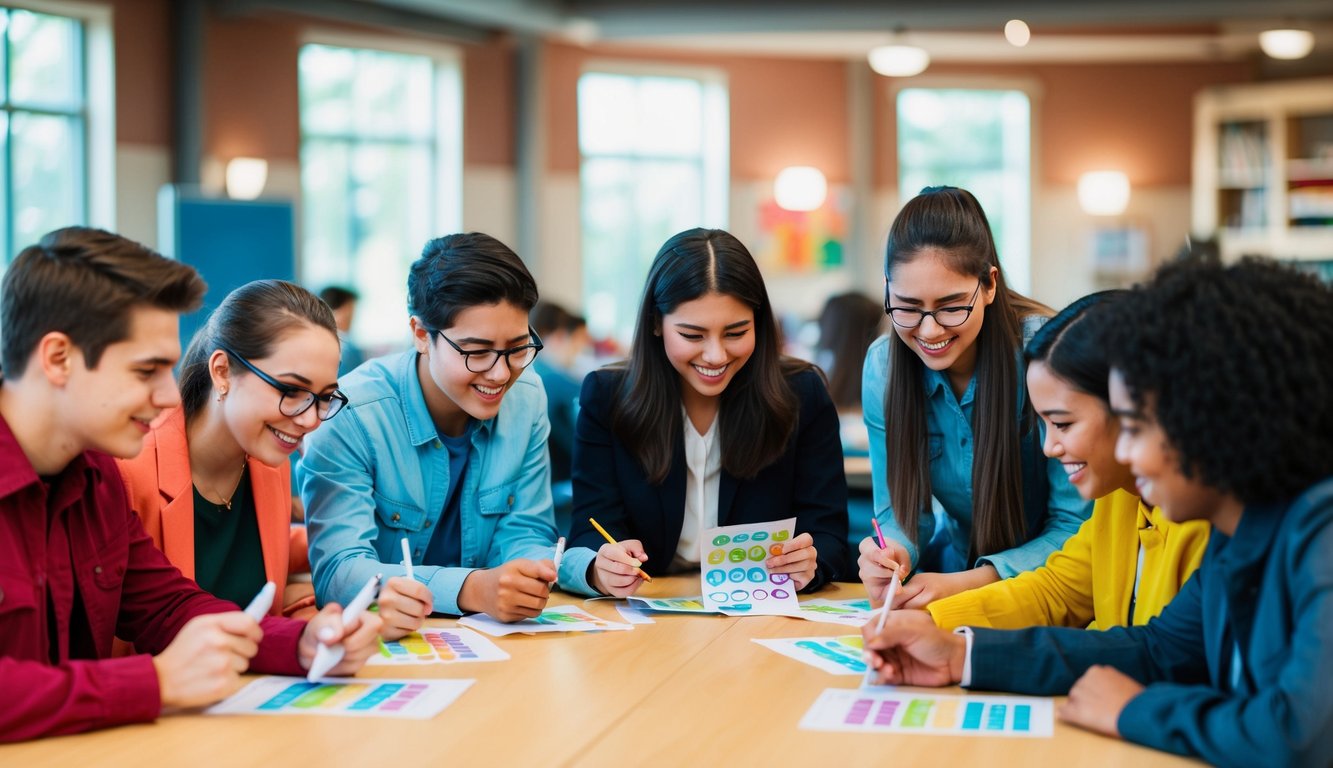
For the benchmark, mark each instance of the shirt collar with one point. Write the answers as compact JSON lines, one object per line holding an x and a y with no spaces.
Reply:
{"x":1257,"y":527}
{"x":420,"y":426}
{"x":17,"y":472}
{"x":938,"y":381}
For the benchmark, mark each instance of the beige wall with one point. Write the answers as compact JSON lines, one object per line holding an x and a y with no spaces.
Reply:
{"x":783,"y":112}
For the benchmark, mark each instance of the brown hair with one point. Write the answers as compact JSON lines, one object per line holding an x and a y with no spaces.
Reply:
{"x":84,"y":283}
{"x":949,"y":221}
{"x":848,"y":325}
{"x":248,"y":322}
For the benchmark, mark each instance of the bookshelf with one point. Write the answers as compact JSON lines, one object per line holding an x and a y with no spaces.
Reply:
{"x":1263,"y":169}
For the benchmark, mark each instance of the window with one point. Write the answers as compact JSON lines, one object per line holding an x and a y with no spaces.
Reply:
{"x":979,"y":140}
{"x":654,"y":162}
{"x":52,"y":76}
{"x":381,"y":171}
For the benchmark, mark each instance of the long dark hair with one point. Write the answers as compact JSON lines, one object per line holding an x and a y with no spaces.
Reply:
{"x":248,"y":322}
{"x":950,"y":223}
{"x":759,"y":410}
{"x":848,"y":326}
{"x":1069,"y":344}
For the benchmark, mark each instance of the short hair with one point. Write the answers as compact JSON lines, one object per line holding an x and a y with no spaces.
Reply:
{"x":85,"y":282}
{"x":550,"y":318}
{"x":1067,"y":344}
{"x":249,"y":322}
{"x":1237,"y":362}
{"x":337,"y":296}
{"x":459,"y":271}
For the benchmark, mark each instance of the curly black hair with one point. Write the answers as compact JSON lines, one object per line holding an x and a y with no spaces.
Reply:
{"x":1238,"y":361}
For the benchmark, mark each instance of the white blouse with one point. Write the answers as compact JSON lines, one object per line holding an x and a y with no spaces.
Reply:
{"x":703,"y":464}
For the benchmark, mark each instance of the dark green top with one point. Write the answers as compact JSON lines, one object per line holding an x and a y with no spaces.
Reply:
{"x":228,"y":556}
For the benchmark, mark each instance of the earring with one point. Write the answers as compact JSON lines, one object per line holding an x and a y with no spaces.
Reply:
{"x":222,"y":395}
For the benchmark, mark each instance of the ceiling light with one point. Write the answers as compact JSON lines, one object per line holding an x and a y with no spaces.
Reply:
{"x":800,"y":188}
{"x":1017,"y":33}
{"x":899,"y":60}
{"x":246,"y":177}
{"x":1103,"y":193}
{"x":1287,"y":43}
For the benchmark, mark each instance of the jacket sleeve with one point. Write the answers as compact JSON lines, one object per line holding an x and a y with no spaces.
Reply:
{"x":1286,"y":722}
{"x":1169,"y":647}
{"x":1058,"y":594}
{"x":820,"y":485}
{"x":42,"y":700}
{"x":596,"y":487}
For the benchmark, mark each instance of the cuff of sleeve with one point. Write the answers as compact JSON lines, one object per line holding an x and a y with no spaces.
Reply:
{"x":131,"y":682}
{"x":280,"y":650}
{"x":445,"y":584}
{"x":965,"y":680}
{"x":574,"y":570}
{"x":1002,"y":565}
{"x":954,"y":612}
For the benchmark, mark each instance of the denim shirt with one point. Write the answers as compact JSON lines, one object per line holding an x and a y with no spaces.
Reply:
{"x":379,"y":472}
{"x":944,"y":532}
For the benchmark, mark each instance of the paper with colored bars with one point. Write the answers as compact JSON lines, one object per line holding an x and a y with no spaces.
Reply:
{"x":835,"y":655}
{"x":894,"y":710}
{"x":559,"y":618}
{"x":438,"y":646}
{"x":732,"y":574}
{"x":343,"y":697}
{"x":670,"y":604}
{"x":848,"y":613}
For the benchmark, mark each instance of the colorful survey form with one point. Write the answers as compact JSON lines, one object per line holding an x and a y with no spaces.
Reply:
{"x":343,"y":697}
{"x":733,"y":577}
{"x":433,"y":645}
{"x":835,"y":655}
{"x":894,"y":710}
{"x":560,"y":618}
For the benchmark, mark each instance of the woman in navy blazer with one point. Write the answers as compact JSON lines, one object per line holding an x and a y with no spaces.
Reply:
{"x":706,"y":424}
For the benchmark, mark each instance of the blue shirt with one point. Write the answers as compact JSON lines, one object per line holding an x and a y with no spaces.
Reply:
{"x":945,"y":532}
{"x":444,"y":547}
{"x":379,"y":472}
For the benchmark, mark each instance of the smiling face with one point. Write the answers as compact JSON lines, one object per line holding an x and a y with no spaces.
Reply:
{"x":1143,"y":446}
{"x":453,"y":393}
{"x":108,"y":408}
{"x":306,"y":356}
{"x":1081,"y":433}
{"x":708,"y":341}
{"x":926,"y":283}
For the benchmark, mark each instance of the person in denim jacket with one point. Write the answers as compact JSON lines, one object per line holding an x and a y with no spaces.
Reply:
{"x":444,"y":445}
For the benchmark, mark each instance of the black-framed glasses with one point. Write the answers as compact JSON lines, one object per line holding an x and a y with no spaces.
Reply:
{"x":482,"y":360}
{"x":945,"y":317}
{"x":296,"y":400}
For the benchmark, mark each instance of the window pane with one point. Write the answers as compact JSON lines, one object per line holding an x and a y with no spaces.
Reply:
{"x":326,"y":89}
{"x":45,"y":61}
{"x":48,"y":174}
{"x":670,"y":116}
{"x":606,"y":114}
{"x":326,"y":218}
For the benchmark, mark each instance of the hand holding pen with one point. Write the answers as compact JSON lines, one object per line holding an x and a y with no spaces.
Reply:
{"x":880,"y":559}
{"x":404,"y":602}
{"x":338,"y":641}
{"x":616,"y":571}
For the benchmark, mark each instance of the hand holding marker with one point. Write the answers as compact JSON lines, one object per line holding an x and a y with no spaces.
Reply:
{"x":263,"y":600}
{"x":328,"y":656}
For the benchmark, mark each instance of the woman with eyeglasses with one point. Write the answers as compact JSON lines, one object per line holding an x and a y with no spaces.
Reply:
{"x":444,"y":446}
{"x":213,"y":482}
{"x":706,"y":425}
{"x":961,"y":489}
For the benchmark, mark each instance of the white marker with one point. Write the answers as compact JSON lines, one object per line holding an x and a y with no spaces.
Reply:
{"x":559,"y":553}
{"x":889,"y":592}
{"x":263,"y":600}
{"x":407,"y":557}
{"x":328,"y":656}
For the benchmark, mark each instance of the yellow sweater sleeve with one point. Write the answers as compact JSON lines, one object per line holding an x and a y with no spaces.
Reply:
{"x":1058,"y":593}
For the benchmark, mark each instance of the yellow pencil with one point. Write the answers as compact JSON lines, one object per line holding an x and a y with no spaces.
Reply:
{"x":610,"y":540}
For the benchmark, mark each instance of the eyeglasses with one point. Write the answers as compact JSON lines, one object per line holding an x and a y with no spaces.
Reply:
{"x":482,"y":360}
{"x":945,"y":317}
{"x":297,"y":400}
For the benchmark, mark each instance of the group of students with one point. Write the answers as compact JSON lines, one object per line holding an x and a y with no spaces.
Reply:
{"x":1028,"y":471}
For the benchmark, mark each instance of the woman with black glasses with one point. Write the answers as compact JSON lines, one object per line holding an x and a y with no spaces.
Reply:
{"x":213,"y":482}
{"x":961,"y":488}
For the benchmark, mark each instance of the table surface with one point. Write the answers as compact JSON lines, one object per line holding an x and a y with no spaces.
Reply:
{"x":687,"y":689}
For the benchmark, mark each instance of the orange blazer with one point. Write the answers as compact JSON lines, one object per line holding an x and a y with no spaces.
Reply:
{"x":162,"y":494}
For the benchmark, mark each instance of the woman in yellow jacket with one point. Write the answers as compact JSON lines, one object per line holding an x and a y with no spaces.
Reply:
{"x":1127,"y":561}
{"x":213,"y":482}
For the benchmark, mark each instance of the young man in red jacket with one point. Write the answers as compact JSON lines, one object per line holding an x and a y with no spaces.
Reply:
{"x":90,"y":333}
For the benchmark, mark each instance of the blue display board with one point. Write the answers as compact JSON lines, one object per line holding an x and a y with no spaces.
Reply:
{"x":230,"y":242}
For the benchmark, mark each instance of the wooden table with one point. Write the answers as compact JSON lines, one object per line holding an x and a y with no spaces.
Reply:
{"x":686,"y":690}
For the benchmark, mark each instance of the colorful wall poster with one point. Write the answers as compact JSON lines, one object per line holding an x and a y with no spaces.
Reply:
{"x":433,"y":645}
{"x":893,"y":710}
{"x":559,"y":618}
{"x":835,"y":655}
{"x":732,"y":573}
{"x":344,"y":697}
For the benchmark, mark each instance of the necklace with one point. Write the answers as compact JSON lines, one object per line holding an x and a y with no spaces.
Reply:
{"x":226,"y":500}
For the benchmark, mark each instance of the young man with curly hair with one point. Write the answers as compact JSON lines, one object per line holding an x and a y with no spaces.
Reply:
{"x":1221,"y":378}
